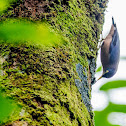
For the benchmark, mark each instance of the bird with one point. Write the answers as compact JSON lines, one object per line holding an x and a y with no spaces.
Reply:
{"x":110,"y":52}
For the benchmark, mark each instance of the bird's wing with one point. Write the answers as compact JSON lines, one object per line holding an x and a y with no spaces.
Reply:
{"x":114,"y":49}
{"x":114,"y":41}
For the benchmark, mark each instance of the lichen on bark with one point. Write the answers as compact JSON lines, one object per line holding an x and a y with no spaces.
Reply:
{"x":42,"y":80}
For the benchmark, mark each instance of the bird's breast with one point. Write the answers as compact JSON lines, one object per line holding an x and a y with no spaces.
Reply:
{"x":105,"y":51}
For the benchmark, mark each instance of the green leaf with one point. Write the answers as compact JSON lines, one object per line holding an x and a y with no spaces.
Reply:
{"x":101,"y":116}
{"x":99,"y":69}
{"x":113,"y":84}
{"x":4,"y":4}
{"x":8,"y":109}
{"x":123,"y":57}
{"x":26,"y":32}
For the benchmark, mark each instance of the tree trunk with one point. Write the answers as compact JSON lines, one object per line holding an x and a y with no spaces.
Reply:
{"x":53,"y":84}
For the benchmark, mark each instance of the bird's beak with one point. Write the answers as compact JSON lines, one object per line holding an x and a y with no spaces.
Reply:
{"x":102,"y":75}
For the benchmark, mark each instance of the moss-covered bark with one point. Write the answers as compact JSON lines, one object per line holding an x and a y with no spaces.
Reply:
{"x":44,"y":81}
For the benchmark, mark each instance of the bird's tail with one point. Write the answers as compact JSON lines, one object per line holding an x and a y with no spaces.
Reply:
{"x":113,"y":22}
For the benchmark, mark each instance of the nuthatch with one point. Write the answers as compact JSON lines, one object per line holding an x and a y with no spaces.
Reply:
{"x":110,"y":52}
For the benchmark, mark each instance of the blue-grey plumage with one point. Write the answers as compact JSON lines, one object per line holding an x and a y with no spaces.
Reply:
{"x":110,"y":52}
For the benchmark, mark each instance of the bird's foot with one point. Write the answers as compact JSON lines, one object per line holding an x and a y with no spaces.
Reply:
{"x":100,"y":43}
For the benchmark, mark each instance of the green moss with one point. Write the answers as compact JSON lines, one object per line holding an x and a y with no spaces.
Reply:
{"x":41,"y":79}
{"x":74,"y":24}
{"x":48,"y":97}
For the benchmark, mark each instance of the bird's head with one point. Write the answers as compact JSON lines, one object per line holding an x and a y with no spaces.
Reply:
{"x":108,"y":73}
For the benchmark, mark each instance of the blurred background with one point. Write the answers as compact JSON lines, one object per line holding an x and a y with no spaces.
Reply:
{"x":109,"y":95}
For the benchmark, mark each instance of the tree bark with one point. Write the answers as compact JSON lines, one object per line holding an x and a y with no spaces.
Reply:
{"x":53,"y":84}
